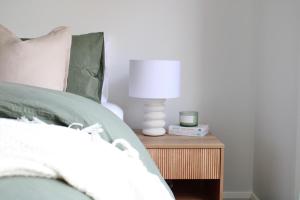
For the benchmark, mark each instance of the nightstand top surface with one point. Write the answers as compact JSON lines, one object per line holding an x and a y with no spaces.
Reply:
{"x":174,"y":141}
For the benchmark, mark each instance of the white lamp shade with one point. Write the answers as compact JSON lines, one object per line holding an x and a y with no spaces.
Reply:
{"x":154,"y":79}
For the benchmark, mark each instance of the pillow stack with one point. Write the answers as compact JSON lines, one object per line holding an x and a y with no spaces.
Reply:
{"x":46,"y":61}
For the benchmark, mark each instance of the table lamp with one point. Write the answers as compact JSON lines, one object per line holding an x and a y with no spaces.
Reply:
{"x":156,"y":81}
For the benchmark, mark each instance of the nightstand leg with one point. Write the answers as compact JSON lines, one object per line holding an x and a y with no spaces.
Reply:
{"x":222,"y":174}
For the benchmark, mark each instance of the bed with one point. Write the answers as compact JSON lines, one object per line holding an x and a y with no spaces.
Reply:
{"x":60,"y":109}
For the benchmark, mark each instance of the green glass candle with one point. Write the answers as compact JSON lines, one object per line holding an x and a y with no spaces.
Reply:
{"x":188,"y":118}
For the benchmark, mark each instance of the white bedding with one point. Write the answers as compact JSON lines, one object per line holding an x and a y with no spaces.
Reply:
{"x":83,"y":160}
{"x":114,"y":109}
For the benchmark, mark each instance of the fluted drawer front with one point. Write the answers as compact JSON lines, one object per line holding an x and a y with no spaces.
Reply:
{"x":187,"y":163}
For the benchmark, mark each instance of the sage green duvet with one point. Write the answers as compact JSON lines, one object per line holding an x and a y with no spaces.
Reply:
{"x":63,"y":109}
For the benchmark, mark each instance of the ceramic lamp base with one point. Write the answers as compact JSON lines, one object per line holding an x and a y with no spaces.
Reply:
{"x":154,"y":118}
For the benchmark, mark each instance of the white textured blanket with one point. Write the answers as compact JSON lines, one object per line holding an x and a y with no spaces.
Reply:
{"x":86,"y":162}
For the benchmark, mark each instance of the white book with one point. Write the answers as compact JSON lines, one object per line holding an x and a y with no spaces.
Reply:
{"x":200,"y":130}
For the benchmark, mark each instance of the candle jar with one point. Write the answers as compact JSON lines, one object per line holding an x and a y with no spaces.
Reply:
{"x":188,"y":118}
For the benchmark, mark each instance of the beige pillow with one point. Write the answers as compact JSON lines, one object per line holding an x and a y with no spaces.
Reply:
{"x":41,"y":62}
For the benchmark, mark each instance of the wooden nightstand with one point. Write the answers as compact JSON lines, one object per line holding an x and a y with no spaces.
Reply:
{"x":192,"y":165}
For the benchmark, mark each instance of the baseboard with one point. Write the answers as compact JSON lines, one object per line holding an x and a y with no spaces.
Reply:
{"x":238,"y":195}
{"x":254,"y":197}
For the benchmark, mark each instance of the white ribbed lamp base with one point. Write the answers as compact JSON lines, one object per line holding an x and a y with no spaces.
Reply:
{"x":154,"y":118}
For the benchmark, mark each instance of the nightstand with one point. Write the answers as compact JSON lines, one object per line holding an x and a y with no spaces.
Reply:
{"x":193,"y":166}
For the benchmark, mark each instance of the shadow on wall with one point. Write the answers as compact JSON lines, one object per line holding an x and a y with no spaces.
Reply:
{"x":135,"y":107}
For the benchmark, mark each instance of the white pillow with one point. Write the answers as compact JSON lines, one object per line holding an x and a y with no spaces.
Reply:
{"x":41,"y":62}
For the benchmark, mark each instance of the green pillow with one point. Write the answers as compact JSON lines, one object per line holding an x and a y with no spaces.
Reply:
{"x":86,"y":69}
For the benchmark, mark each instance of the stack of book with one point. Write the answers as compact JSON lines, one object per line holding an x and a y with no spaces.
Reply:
{"x":200,"y":130}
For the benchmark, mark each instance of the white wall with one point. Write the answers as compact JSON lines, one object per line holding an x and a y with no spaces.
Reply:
{"x":226,"y":96}
{"x":213,"y":39}
{"x":276,"y":108}
{"x":297,"y":172}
